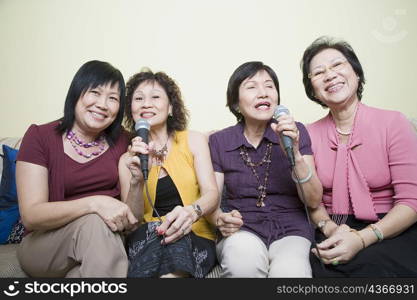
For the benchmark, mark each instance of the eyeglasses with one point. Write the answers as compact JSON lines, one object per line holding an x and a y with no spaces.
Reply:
{"x":319,"y":72}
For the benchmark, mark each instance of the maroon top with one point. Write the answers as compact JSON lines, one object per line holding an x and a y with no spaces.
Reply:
{"x":68,"y":179}
{"x":283,"y":213}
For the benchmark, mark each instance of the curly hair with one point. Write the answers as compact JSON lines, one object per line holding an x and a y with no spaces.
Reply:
{"x":179,"y":119}
{"x":323,"y":43}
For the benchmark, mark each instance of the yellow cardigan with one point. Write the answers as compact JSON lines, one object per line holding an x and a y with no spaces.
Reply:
{"x":179,"y":164}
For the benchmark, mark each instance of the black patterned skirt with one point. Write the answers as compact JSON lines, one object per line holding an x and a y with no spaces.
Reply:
{"x":148,"y":258}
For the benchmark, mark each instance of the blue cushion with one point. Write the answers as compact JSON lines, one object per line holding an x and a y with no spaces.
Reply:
{"x":8,"y":194}
{"x":8,"y":219}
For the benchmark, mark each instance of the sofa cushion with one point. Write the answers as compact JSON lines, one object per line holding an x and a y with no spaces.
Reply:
{"x":8,"y":218}
{"x":9,"y":265}
{"x":215,"y":272}
{"x":8,"y":194}
{"x":12,"y":142}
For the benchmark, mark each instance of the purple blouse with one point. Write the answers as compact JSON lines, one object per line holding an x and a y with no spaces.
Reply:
{"x":283,"y":213}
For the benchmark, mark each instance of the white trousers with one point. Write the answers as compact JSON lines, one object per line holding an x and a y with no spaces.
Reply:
{"x":244,"y":254}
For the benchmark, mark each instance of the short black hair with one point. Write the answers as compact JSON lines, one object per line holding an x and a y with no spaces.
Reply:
{"x":320,"y":44}
{"x":246,"y":70}
{"x":91,"y":75}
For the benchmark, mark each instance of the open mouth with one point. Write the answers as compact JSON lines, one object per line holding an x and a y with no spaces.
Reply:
{"x":97,"y":115}
{"x":147,"y":115}
{"x":263,"y":105}
{"x":335,"y":87}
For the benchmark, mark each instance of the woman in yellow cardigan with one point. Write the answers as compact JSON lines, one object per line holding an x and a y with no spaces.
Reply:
{"x":181,"y":185}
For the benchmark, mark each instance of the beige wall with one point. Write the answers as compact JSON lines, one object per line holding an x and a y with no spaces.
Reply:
{"x":199,"y":43}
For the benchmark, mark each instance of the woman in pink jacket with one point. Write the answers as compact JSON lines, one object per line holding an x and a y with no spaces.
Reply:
{"x":366,"y":159}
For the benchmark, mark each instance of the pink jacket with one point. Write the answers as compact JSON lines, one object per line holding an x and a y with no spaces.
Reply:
{"x":374,"y":171}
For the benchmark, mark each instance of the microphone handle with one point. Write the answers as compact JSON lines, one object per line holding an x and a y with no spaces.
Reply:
{"x":287,"y":143}
{"x":144,"y":134}
{"x":144,"y":165}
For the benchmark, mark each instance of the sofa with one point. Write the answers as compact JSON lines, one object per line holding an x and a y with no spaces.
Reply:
{"x":9,"y":265}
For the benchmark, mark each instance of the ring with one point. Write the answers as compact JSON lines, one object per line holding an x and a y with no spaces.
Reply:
{"x":335,"y":262}
{"x":183,"y":231}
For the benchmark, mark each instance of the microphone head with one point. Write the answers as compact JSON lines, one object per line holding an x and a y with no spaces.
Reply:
{"x":142,"y":123}
{"x":280,"y":110}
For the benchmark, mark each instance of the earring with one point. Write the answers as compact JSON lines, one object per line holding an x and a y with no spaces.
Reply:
{"x":358,"y":78}
{"x":170,"y":114}
{"x":237,"y":109}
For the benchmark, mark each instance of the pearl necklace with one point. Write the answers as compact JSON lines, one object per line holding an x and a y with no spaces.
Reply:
{"x":341,"y":132}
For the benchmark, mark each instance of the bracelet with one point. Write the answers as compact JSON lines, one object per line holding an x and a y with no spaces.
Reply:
{"x":378,"y":233}
{"x":359,"y":235}
{"x":321,"y":224}
{"x":307,"y":178}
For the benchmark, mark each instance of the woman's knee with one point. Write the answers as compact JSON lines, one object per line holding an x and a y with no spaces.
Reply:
{"x":92,"y":227}
{"x":92,"y":221}
{"x":290,"y":257}
{"x":92,"y":234}
{"x":243,"y":255}
{"x":290,"y":267}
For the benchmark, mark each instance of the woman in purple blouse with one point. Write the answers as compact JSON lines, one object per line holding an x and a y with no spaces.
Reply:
{"x":263,"y":222}
{"x":366,"y":159}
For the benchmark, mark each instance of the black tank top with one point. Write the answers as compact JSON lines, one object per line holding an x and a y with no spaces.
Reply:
{"x":167,"y":196}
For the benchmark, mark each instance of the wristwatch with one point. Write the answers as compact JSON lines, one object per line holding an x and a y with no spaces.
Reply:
{"x":322,"y":223}
{"x":197,"y":210}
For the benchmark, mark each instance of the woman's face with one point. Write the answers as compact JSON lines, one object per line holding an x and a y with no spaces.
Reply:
{"x":97,"y":108}
{"x":150,"y":102}
{"x":333,"y":79}
{"x":258,"y":97}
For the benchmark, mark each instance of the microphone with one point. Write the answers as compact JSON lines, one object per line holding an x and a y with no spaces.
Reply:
{"x":142,"y":130}
{"x":286,"y":141}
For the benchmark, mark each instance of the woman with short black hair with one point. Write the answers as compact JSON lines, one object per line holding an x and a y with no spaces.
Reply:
{"x":67,"y":182}
{"x":263,"y":222}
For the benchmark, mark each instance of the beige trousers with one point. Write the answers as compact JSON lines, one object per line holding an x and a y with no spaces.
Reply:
{"x":85,"y":247}
{"x":244,"y":254}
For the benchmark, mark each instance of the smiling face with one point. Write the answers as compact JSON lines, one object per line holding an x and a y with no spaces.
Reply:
{"x":334,"y":81}
{"x":258,"y":97}
{"x":150,"y":101}
{"x":96,"y":109}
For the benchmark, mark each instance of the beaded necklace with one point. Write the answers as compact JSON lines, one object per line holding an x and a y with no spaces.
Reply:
{"x":266,"y":159}
{"x":76,"y":143}
{"x":159,"y":155}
